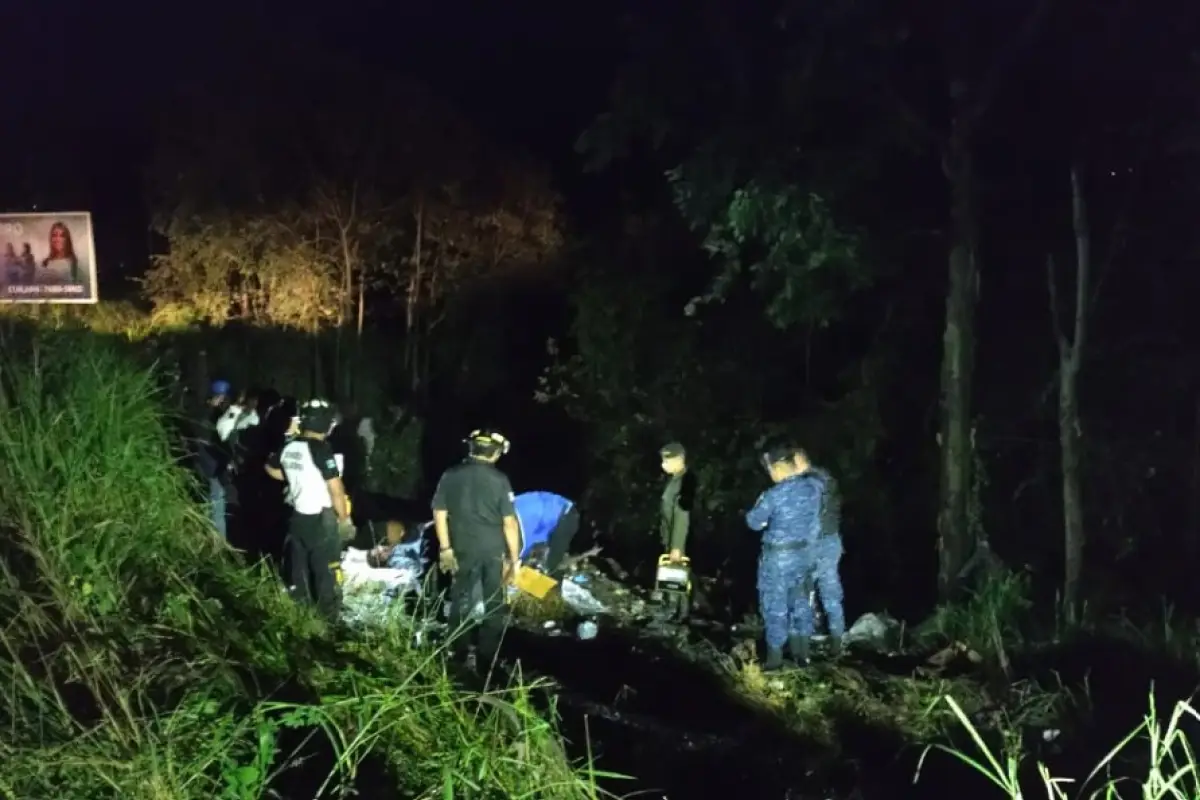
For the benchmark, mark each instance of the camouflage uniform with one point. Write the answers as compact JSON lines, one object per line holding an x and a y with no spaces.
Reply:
{"x":789,"y":515}
{"x":828,"y":554}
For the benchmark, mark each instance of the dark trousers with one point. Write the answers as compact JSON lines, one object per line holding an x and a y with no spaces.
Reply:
{"x":315,"y":552}
{"x":478,"y":571}
{"x":561,"y":538}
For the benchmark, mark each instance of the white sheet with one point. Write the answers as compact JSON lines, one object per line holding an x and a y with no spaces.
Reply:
{"x":357,"y":572}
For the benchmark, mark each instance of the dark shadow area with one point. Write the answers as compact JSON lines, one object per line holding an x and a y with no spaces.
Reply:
{"x":672,"y":726}
{"x":640,"y":709}
{"x":1112,"y":683}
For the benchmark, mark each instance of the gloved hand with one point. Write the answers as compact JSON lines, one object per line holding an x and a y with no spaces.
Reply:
{"x":447,"y":562}
{"x":346,"y":530}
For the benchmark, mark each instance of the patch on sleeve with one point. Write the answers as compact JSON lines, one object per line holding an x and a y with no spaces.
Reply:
{"x":331,"y":464}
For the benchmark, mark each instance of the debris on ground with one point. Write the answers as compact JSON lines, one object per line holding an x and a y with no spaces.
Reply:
{"x":874,"y":631}
{"x":874,"y":679}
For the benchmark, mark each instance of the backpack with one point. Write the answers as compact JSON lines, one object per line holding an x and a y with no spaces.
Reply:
{"x":831,"y":505}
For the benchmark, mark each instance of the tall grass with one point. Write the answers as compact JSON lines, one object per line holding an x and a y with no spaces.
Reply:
{"x":139,"y":658}
{"x":1170,"y":772}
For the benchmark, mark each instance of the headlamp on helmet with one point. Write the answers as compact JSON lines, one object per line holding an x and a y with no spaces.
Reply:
{"x":487,"y":443}
{"x":317,"y":416}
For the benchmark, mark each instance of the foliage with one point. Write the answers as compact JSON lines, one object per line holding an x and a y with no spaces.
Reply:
{"x":783,"y":236}
{"x":382,"y":201}
{"x":176,"y":671}
{"x":741,"y":112}
{"x":812,"y":701}
{"x":265,"y":270}
{"x":638,"y":375}
{"x":994,"y":618}
{"x":478,"y":229}
{"x":397,"y":458}
{"x":730,"y":117}
{"x":1171,"y":773}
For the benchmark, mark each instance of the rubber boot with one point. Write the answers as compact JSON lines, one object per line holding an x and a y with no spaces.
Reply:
{"x":798,"y":645}
{"x":774,"y":659}
{"x":835,"y":646}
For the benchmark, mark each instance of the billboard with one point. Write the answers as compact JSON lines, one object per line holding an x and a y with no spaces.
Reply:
{"x":47,"y":258}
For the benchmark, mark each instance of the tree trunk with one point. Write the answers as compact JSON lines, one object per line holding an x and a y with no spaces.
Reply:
{"x":318,"y":371}
{"x":412,"y":304}
{"x":955,"y":532}
{"x":349,"y":259}
{"x":1070,"y":429}
{"x":1072,"y":488}
{"x":1194,"y":493}
{"x":362,"y":306}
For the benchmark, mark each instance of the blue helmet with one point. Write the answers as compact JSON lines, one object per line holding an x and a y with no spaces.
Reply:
{"x":220,"y":387}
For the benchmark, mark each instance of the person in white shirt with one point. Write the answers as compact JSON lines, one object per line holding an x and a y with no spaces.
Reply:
{"x":320,"y":510}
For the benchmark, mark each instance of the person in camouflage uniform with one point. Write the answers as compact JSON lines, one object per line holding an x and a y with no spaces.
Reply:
{"x":788,"y":514}
{"x":825,"y":578}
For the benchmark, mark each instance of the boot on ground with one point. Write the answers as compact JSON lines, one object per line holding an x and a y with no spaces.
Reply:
{"x":774,"y":659}
{"x":799,"y":648}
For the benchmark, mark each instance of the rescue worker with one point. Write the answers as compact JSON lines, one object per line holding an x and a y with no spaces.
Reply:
{"x":479,"y":539}
{"x":789,"y":514}
{"x":675,"y":514}
{"x":825,"y":578}
{"x":548,"y":521}
{"x":320,"y":512}
{"x":215,"y":457}
{"x":237,"y":417}
{"x":678,"y":496}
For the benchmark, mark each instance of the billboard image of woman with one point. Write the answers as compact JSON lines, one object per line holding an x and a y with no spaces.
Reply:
{"x":47,"y":258}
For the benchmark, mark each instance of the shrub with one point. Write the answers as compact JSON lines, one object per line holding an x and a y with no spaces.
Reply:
{"x":142,"y":659}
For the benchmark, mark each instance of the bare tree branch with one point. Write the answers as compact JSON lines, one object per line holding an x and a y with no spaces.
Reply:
{"x":1055,"y":318}
{"x":994,"y":77}
{"x":1083,"y":260}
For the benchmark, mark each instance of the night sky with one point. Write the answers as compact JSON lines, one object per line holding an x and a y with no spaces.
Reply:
{"x":532,"y":74}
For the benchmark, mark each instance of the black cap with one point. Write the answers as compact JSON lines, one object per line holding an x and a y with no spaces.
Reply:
{"x":779,"y":454}
{"x":672,"y":450}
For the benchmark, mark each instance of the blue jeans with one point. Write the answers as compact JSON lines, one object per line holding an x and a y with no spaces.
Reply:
{"x":216,"y":506}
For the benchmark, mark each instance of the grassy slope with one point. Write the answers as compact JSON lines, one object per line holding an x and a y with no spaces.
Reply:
{"x":140,"y":659}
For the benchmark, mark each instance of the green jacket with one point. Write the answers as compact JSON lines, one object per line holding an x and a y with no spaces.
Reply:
{"x":676,"y":511}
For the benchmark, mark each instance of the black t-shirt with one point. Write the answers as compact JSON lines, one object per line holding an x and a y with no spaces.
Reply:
{"x":476,"y":498}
